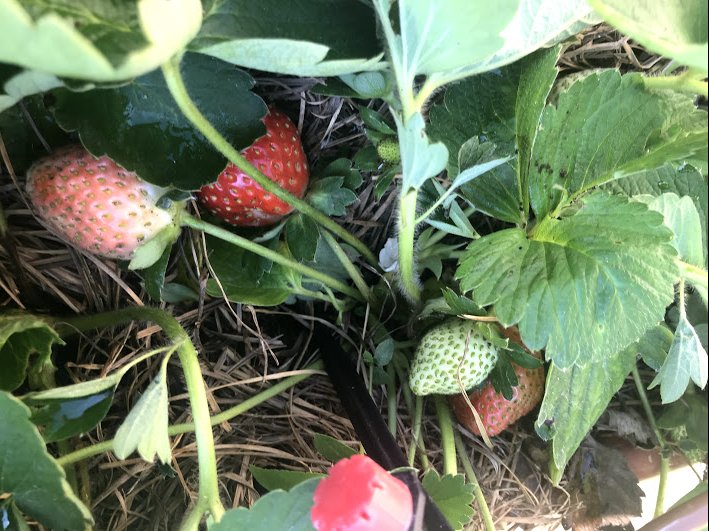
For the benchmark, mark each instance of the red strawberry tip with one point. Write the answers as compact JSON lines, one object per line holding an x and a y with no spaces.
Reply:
{"x":359,"y":495}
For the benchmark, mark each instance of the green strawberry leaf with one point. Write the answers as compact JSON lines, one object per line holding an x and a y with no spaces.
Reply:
{"x":574,"y":400}
{"x":685,"y":181}
{"x":536,"y":23}
{"x":536,"y":79}
{"x":584,"y":286}
{"x":140,"y":126}
{"x":329,"y":195}
{"x":145,"y":427}
{"x":452,"y":495}
{"x":460,"y":304}
{"x":36,"y":483}
{"x":331,"y":449}
{"x":21,"y":336}
{"x":99,"y":40}
{"x":610,"y":126}
{"x":368,"y":85}
{"x":494,"y":192}
{"x":245,"y":277}
{"x":307,"y":38}
{"x":73,"y":409}
{"x":384,"y":352}
{"x":302,"y":237}
{"x":273,"y":479}
{"x":374,"y":120}
{"x":673,"y":29}
{"x":682,"y":218}
{"x":655,"y":346}
{"x":687,"y":359}
{"x":483,"y":105}
{"x":420,"y":159}
{"x":62,"y":419}
{"x":271,"y":511}
{"x":503,"y":377}
{"x":437,"y":38}
{"x":154,"y":276}
{"x":339,"y":168}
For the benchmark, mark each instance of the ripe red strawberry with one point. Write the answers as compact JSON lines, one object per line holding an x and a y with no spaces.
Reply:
{"x":98,"y":206}
{"x":497,"y":413}
{"x":238,"y":200}
{"x":359,"y":495}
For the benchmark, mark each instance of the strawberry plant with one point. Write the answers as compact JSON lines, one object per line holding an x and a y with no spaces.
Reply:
{"x":572,"y":210}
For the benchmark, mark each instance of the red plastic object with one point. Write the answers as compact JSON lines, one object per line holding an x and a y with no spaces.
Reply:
{"x":359,"y":495}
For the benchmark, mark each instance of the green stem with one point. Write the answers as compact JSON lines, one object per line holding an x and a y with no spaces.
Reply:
{"x":176,"y":85}
{"x":472,"y":478}
{"x":208,"y":496}
{"x":416,"y":428}
{"x":391,"y":400}
{"x":682,"y":83}
{"x":270,"y":254}
{"x":664,"y":458}
{"x":224,"y":416}
{"x":345,"y":261}
{"x":693,"y":274}
{"x":445,"y":423}
{"x":408,"y":277}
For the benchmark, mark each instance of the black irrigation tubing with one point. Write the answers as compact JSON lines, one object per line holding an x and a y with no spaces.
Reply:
{"x":373,"y":431}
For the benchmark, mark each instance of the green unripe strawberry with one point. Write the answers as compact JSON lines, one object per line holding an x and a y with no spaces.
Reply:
{"x":388,"y":151}
{"x":456,"y":352}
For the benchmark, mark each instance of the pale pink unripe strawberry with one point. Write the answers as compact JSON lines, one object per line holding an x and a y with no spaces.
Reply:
{"x":100,"y":207}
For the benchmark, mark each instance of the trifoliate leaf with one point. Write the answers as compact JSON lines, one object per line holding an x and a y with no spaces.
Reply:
{"x":585,"y":286}
{"x":31,"y":476}
{"x":655,"y":345}
{"x":605,"y":127}
{"x":452,"y":495}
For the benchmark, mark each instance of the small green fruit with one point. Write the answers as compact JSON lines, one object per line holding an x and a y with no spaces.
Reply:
{"x":388,"y":151}
{"x":456,"y":352}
